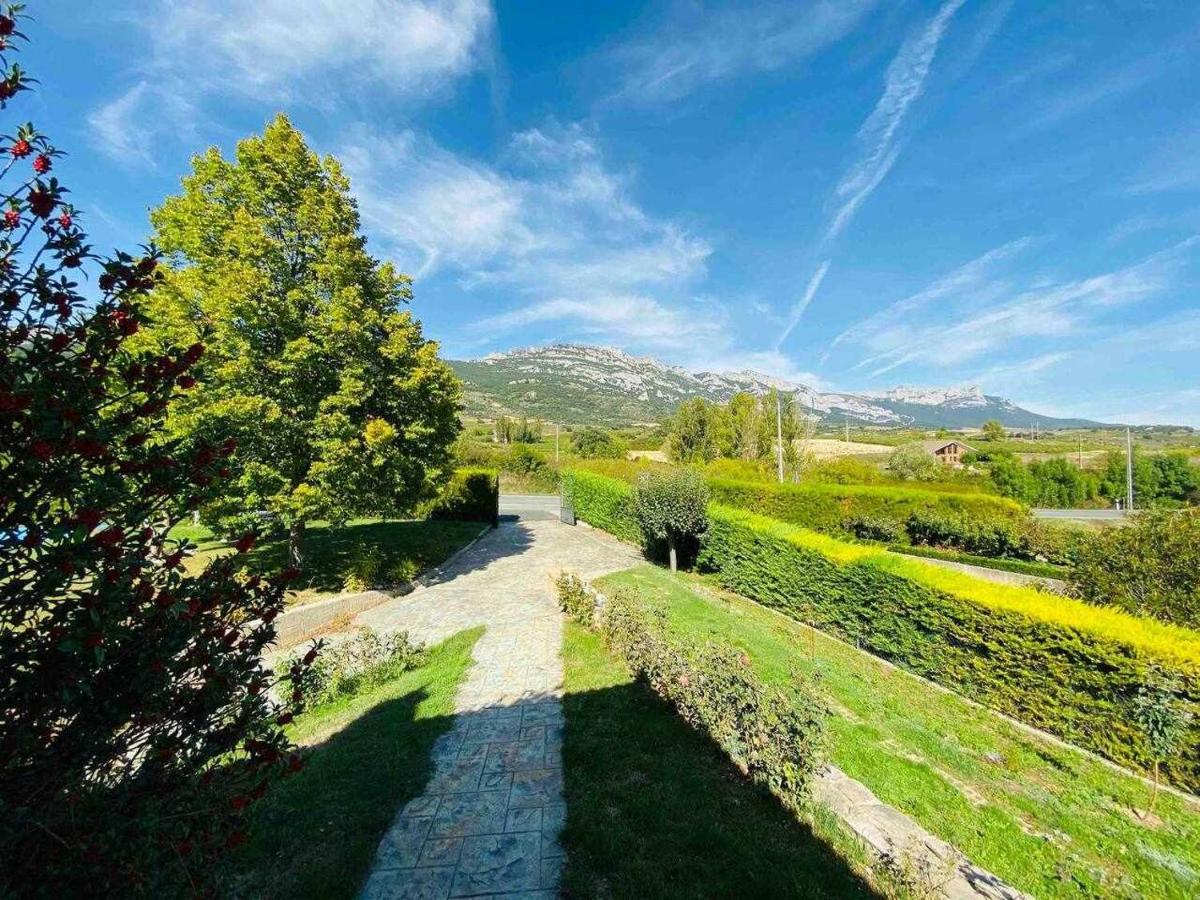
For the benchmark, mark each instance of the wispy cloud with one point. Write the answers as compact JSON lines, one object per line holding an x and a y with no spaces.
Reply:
{"x":977,"y":314}
{"x":550,"y":223}
{"x":903,"y":84}
{"x":698,"y":45}
{"x":797,"y":312}
{"x":629,"y":320}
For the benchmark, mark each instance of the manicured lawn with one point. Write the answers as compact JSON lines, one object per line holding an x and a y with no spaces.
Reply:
{"x":330,"y":551}
{"x":654,"y":809}
{"x":1045,"y":818}
{"x":315,"y":834}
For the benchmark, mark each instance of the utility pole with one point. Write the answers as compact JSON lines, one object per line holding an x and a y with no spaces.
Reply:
{"x":1081,"y":452}
{"x":1128,"y":471}
{"x":779,"y":434}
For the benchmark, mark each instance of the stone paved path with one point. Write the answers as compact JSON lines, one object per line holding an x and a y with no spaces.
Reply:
{"x":489,"y":819}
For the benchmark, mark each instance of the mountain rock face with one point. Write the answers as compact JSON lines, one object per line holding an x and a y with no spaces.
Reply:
{"x":577,"y":384}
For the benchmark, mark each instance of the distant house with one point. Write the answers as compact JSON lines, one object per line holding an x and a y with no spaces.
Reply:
{"x":950,"y":452}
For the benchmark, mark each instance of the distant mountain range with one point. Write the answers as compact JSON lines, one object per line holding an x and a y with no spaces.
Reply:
{"x":575,"y":384}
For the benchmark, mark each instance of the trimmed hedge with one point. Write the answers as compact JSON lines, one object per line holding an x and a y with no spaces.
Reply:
{"x":603,"y":502}
{"x":829,"y":507}
{"x":471,"y":495}
{"x":1020,"y":566}
{"x":1058,"y":664}
{"x":778,"y":741}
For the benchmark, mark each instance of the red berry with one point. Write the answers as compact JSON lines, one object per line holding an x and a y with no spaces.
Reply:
{"x":20,"y":149}
{"x":65,"y":220}
{"x":12,"y":219}
{"x":246,"y":542}
{"x":42,"y":164}
{"x":7,"y":25}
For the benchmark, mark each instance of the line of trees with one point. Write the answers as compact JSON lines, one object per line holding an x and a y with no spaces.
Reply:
{"x":1161,"y":478}
{"x":745,"y":428}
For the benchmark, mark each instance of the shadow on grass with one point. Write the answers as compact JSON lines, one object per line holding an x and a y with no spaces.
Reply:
{"x":330,"y":551}
{"x":654,"y":809}
{"x":315,"y":834}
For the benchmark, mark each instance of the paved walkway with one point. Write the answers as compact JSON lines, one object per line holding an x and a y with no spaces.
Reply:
{"x":489,"y":819}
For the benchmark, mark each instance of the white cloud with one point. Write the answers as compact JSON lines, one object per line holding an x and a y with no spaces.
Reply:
{"x":903,"y":84}
{"x":699,"y":46}
{"x":973,"y":311}
{"x":127,"y":128}
{"x":550,"y":223}
{"x":287,"y":51}
{"x":281,"y":47}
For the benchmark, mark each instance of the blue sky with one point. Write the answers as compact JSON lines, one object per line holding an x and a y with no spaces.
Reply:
{"x":850,"y":193}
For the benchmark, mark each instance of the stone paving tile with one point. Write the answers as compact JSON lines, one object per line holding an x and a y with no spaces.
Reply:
{"x":488,"y":823}
{"x":498,"y":862}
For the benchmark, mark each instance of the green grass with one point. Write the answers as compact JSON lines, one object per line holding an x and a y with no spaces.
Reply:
{"x":329,"y":551}
{"x":654,"y":809}
{"x":314,"y":835}
{"x":1045,"y":818}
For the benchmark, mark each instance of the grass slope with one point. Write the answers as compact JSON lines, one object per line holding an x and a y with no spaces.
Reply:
{"x":315,"y":834}
{"x":654,"y":809}
{"x":1045,"y":818}
{"x":330,"y":551}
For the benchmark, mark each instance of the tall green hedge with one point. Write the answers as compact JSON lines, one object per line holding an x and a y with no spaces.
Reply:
{"x":603,"y":502}
{"x":472,"y":495}
{"x":828,"y":507}
{"x":1058,"y":664}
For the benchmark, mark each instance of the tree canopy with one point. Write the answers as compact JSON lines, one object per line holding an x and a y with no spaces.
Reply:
{"x":339,"y":405}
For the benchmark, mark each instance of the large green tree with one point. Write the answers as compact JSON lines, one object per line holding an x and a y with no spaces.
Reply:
{"x":339,"y":405}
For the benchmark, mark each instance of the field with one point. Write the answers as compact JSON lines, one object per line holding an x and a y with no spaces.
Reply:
{"x":1046,"y":818}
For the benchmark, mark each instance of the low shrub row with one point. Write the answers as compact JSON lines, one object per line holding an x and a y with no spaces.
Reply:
{"x":365,"y":661}
{"x":778,"y":741}
{"x":472,"y":495}
{"x":1076,"y":670}
{"x":997,"y":538}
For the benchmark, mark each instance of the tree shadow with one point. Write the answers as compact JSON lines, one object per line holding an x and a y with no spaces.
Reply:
{"x":655,"y":809}
{"x":509,"y":538}
{"x":315,"y":834}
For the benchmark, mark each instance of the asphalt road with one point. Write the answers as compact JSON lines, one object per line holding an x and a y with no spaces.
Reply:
{"x":1081,"y":515}
{"x":530,"y":506}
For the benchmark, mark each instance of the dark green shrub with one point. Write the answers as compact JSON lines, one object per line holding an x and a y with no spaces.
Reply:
{"x":778,"y":741}
{"x":871,"y":528}
{"x":591,"y":442}
{"x":826,"y":507}
{"x":1149,"y":568}
{"x":524,"y":460}
{"x":1057,"y":664}
{"x":472,"y":495}
{"x":671,"y":507}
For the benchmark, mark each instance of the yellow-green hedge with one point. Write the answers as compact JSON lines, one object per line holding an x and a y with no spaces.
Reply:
{"x":1058,"y":664}
{"x":1067,"y":667}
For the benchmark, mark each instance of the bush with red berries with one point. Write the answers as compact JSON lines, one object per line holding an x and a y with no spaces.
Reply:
{"x":137,"y":721}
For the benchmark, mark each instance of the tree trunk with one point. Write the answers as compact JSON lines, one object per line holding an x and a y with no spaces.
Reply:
{"x":296,"y":543}
{"x":1154,"y":793}
{"x":671,"y":552}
